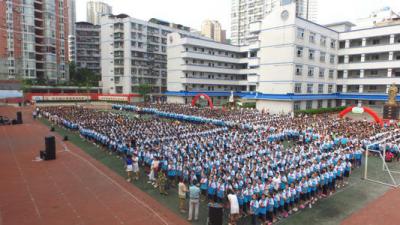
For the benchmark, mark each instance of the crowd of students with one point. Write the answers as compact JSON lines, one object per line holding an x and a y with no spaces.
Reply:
{"x":281,"y":165}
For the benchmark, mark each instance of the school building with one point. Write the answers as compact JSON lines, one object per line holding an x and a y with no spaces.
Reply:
{"x":293,"y":64}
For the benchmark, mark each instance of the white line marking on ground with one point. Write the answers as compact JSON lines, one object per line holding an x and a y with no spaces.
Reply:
{"x":90,"y":191}
{"x":119,"y":186}
{"x":58,"y":189}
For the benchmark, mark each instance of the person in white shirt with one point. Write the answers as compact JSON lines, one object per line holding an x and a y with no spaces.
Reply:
{"x":135,"y":166}
{"x":234,"y":207}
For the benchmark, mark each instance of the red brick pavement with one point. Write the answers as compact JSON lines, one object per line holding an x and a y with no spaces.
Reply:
{"x":74,"y":189}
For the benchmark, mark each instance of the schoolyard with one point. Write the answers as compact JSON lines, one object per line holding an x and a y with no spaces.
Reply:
{"x":333,"y":210}
{"x":86,"y":185}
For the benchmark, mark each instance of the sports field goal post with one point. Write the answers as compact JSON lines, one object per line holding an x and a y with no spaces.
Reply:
{"x":385,"y":168}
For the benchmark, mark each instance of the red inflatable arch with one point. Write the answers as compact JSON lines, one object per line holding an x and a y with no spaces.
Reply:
{"x":366,"y":109}
{"x":206,"y":97}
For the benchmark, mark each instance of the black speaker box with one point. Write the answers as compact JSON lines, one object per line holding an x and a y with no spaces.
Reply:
{"x":19,"y":118}
{"x":215,"y":215}
{"x":50,"y":143}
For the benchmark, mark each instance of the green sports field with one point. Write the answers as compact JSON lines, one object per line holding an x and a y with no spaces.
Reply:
{"x":327,"y":211}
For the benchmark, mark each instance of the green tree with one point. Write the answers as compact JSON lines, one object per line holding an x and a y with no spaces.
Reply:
{"x":144,"y":90}
{"x":73,"y":75}
{"x":26,"y":85}
{"x":41,"y":80}
{"x":82,"y":77}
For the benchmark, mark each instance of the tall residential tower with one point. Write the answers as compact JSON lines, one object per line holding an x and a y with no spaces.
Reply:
{"x":95,"y":9}
{"x":33,"y":40}
{"x":134,"y":52}
{"x":245,"y":12}
{"x":212,"y":29}
{"x":72,"y":30}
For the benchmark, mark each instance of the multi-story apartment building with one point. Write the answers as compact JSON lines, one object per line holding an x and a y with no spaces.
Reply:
{"x":95,"y":10}
{"x":245,"y":12}
{"x":88,"y":46}
{"x":34,"y":39}
{"x":213,"y":29}
{"x":134,"y":52}
{"x":71,"y":30}
{"x":294,"y":64}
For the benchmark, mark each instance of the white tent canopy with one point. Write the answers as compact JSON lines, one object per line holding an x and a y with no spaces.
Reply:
{"x":10,"y":94}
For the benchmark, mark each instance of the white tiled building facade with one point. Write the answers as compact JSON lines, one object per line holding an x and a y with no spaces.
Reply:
{"x":134,"y":52}
{"x":369,"y":61}
{"x":197,"y":65}
{"x":293,"y":64}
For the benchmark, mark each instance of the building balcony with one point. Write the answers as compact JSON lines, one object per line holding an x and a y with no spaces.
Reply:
{"x":397,"y":39}
{"x":370,"y":49}
{"x":190,"y":80}
{"x":204,"y":56}
{"x":370,"y":65}
{"x":396,"y":55}
{"x":38,"y":17}
{"x":367,"y":81}
{"x":376,"y":57}
{"x":255,"y":27}
{"x":380,"y":40}
{"x":255,"y":45}
{"x":254,"y":62}
{"x":118,"y":28}
{"x":204,"y":68}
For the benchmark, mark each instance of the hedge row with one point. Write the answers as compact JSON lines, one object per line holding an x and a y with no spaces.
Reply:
{"x":320,"y":111}
{"x":249,"y":105}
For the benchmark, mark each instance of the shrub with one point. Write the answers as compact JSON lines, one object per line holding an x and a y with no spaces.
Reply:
{"x":249,"y":105}
{"x":320,"y":110}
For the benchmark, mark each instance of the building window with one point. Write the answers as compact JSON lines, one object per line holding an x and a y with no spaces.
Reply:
{"x":299,"y":70}
{"x":297,"y":88}
{"x":331,"y":73}
{"x":300,"y":33}
{"x":310,"y":71}
{"x":321,"y":72}
{"x":323,"y":41}
{"x":309,"y":105}
{"x":330,"y":88}
{"x":296,"y":106}
{"x":299,"y":52}
{"x":329,"y":103}
{"x":333,"y":44}
{"x":320,"y":88}
{"x":332,"y":59}
{"x":310,"y":88}
{"x":322,"y":57}
{"x":375,"y":42}
{"x":319,"y":104}
{"x":312,"y":37}
{"x":311,"y":54}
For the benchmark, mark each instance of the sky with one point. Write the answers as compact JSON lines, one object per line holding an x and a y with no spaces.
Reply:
{"x":192,"y":12}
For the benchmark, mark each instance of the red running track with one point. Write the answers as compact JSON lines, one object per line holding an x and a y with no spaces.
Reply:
{"x":74,"y":189}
